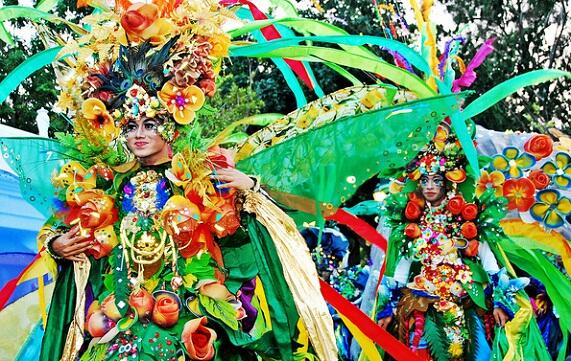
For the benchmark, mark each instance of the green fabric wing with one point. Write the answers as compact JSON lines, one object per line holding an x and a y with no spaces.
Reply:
{"x":34,"y":160}
{"x":327,"y":164}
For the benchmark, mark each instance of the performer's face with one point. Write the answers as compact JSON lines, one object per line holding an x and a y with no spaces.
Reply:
{"x":432,"y":187}
{"x":144,"y":140}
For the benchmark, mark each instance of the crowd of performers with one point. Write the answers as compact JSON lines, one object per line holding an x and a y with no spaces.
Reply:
{"x":167,"y":245}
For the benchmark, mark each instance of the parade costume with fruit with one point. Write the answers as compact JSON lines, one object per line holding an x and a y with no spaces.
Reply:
{"x":447,"y":287}
{"x":170,"y":270}
{"x":179,"y":265}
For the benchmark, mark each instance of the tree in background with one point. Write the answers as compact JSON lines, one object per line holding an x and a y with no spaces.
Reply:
{"x":530,"y":35}
{"x":230,"y":103}
{"x":40,"y":89}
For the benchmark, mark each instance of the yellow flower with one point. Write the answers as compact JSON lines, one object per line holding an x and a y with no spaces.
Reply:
{"x":65,"y":101}
{"x":158,"y":32}
{"x":220,"y":44}
{"x":182,"y":103}
{"x":494,"y":180}
{"x":95,"y":111}
{"x":455,"y":349}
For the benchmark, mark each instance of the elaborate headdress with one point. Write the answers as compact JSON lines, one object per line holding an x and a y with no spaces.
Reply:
{"x":155,"y":60}
{"x":442,"y":155}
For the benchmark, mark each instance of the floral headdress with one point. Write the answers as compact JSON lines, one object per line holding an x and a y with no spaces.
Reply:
{"x":153,"y":60}
{"x":443,"y":155}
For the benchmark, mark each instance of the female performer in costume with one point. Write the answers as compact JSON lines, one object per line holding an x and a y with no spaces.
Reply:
{"x":447,"y":291}
{"x":164,"y":250}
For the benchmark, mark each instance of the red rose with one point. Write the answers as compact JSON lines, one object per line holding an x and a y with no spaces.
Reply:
{"x":455,"y":205}
{"x":166,"y":309}
{"x":199,"y":339}
{"x":103,"y":95}
{"x":469,"y":230}
{"x":472,"y":249}
{"x":138,"y":18}
{"x":412,"y":211}
{"x":540,"y":146}
{"x":539,"y":179}
{"x":412,"y":230}
{"x":470,"y":212}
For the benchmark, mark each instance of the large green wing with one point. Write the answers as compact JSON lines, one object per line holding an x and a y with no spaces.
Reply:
{"x":34,"y":160}
{"x":328,"y":163}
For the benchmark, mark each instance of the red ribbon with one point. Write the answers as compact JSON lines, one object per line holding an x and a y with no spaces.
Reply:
{"x":369,"y":328}
{"x":270,"y":32}
{"x":363,"y":230}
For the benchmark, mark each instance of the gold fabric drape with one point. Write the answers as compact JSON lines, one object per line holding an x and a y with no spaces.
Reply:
{"x":299,"y":271}
{"x":74,"y":339}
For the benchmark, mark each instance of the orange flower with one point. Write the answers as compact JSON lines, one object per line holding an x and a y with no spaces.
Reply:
{"x":412,"y":230}
{"x":95,"y":111}
{"x":181,"y":103}
{"x":494,"y":180}
{"x":199,"y":339}
{"x":472,"y":249}
{"x":93,"y":208}
{"x":455,"y":205}
{"x":138,"y":18}
{"x":223,"y":219}
{"x":166,"y":309}
{"x":220,"y":44}
{"x":105,"y":240}
{"x":142,"y":302}
{"x":456,"y":175}
{"x":180,"y":218}
{"x":414,"y":197}
{"x":412,"y":211}
{"x":520,"y":194}
{"x":208,"y":86}
{"x":469,"y":230}
{"x":539,"y":179}
{"x":539,"y":145}
{"x":441,"y":137}
{"x":470,"y":212}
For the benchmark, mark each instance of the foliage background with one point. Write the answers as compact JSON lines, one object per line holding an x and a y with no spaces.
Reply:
{"x":530,"y":35}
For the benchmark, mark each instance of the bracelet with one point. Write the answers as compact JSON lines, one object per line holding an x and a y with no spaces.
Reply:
{"x":48,"y":246}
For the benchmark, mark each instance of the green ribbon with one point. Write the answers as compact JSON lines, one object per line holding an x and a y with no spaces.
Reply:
{"x":340,"y":57}
{"x":24,"y":70}
{"x":509,"y":87}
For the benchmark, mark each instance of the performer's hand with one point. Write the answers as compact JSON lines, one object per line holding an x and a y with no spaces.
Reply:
{"x":500,"y":317}
{"x":233,"y":178}
{"x":385,"y":321}
{"x":71,"y":244}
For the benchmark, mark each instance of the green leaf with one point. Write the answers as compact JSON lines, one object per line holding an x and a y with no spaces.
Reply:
{"x":47,"y":5}
{"x":5,"y":36}
{"x":221,"y":310}
{"x":24,"y":70}
{"x":200,"y":267}
{"x":286,"y":49}
{"x":435,"y":336}
{"x":508,"y":87}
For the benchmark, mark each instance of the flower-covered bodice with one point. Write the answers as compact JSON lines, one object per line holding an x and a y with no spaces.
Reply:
{"x":442,"y":271}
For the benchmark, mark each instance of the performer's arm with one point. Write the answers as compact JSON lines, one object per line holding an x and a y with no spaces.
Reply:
{"x":490,"y":265}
